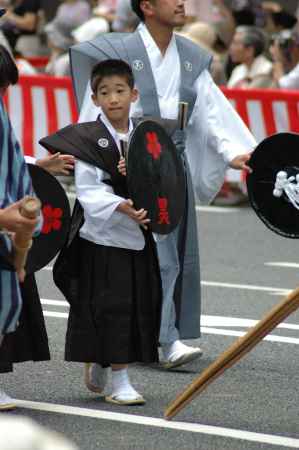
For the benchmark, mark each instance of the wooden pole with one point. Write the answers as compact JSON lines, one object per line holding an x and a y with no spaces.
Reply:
{"x":235,"y":352}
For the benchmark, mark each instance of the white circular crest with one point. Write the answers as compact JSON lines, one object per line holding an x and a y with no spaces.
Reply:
{"x":138,"y":64}
{"x":188,"y":66}
{"x":103,"y":142}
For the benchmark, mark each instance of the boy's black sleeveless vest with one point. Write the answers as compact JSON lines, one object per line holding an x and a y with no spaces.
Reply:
{"x":65,"y":270}
{"x":130,"y":48}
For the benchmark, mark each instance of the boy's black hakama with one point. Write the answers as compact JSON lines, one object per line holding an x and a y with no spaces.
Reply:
{"x":118,"y":318}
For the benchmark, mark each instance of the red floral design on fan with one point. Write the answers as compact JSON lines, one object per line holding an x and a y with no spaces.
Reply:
{"x":52,"y":219}
{"x":163,"y":211}
{"x":153,"y":145}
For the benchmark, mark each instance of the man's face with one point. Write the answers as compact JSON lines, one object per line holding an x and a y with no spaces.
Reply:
{"x":166,"y":12}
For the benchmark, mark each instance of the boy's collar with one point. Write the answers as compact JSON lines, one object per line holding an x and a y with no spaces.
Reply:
{"x":102,"y":116}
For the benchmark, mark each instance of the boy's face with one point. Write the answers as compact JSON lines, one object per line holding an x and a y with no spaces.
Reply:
{"x":115,"y":96}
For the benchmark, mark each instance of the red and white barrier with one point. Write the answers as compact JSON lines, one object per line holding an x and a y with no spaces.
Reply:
{"x":266,"y":111}
{"x":39,"y":105}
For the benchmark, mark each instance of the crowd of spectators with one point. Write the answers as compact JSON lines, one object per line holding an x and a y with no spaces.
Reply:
{"x":255,"y":44}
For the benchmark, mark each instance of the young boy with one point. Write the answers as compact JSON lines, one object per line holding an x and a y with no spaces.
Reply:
{"x":115,"y":313}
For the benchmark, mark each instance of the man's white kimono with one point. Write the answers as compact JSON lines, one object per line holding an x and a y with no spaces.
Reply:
{"x":215,"y":135}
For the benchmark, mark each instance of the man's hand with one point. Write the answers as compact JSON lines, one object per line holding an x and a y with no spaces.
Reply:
{"x":240,"y":162}
{"x":121,"y":166}
{"x":12,"y":220}
{"x":139,"y":216}
{"x":57,"y":164}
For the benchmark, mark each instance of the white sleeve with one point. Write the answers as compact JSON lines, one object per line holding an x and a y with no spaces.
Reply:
{"x":290,"y":80}
{"x":215,"y":135}
{"x":226,"y":131}
{"x":96,"y":197}
{"x":30,"y":159}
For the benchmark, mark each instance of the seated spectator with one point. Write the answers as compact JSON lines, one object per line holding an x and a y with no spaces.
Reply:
{"x":285,"y":54}
{"x":70,"y":14}
{"x":59,"y":44}
{"x":20,"y":19}
{"x":100,"y":22}
{"x":105,"y":9}
{"x":200,"y":11}
{"x":254,"y":70}
{"x":125,"y":18}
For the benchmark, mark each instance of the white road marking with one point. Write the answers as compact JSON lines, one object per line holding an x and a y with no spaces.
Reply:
{"x":221,"y":321}
{"x":250,"y":287}
{"x":270,"y":337}
{"x":46,"y":301}
{"x":217,"y":209}
{"x":280,"y":441}
{"x":283,"y":264}
{"x":204,"y":330}
{"x":59,"y":315}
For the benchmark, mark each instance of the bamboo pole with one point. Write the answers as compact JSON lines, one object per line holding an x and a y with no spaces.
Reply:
{"x":235,"y":352}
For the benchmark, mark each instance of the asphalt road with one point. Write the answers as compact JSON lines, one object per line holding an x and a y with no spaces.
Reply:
{"x":246,"y":269}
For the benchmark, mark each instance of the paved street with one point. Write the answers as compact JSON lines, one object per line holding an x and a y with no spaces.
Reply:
{"x":246,"y":269}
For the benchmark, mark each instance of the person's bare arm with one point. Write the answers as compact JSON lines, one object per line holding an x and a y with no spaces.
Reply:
{"x":139,"y":216}
{"x":57,"y":164}
{"x":240,"y":162}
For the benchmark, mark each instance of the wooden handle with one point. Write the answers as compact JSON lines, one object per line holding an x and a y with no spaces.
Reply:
{"x":235,"y":352}
{"x":30,"y":208}
{"x":183,"y":114}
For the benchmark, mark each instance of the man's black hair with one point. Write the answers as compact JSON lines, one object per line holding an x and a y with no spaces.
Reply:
{"x":135,"y":4}
{"x":109,"y":68}
{"x":9,"y":73}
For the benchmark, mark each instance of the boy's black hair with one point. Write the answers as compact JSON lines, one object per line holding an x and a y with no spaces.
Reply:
{"x":9,"y":73}
{"x":109,"y":68}
{"x":135,"y":4}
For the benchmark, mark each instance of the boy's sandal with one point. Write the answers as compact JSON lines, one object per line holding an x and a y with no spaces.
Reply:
{"x":7,"y":406}
{"x":115,"y":399}
{"x":97,"y":389}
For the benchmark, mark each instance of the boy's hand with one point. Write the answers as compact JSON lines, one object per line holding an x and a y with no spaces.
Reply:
{"x":139,"y":216}
{"x":12,"y":220}
{"x":121,"y":166}
{"x":57,"y":164}
{"x":240,"y":162}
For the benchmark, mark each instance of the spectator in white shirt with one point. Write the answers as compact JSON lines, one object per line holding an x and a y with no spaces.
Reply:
{"x":285,"y":54}
{"x":253,"y":69}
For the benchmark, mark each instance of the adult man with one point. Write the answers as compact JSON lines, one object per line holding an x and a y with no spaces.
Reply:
{"x":168,"y":69}
{"x":246,"y":49}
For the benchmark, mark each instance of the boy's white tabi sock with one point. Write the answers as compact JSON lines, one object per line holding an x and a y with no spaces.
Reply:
{"x":121,"y":386}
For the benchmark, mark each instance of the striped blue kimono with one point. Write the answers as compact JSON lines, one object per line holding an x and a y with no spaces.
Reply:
{"x":15,"y":183}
